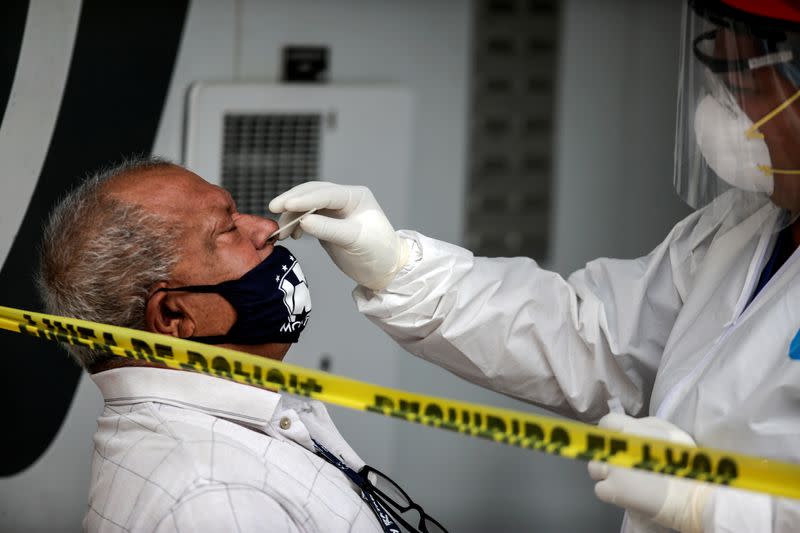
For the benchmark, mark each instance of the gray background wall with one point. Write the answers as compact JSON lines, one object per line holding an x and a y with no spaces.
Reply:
{"x":613,"y":196}
{"x":614,"y":138}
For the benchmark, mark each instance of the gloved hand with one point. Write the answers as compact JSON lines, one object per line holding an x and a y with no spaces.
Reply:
{"x":351,"y":227}
{"x":668,"y":501}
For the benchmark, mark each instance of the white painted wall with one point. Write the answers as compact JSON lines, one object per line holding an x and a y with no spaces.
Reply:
{"x":616,"y":123}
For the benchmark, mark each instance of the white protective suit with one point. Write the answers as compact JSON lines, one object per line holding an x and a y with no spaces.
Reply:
{"x":669,"y":334}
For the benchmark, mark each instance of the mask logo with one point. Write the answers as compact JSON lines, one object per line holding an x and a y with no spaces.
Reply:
{"x":296,"y":296}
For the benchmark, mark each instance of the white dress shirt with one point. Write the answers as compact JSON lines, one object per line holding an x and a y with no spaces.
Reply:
{"x":180,"y":451}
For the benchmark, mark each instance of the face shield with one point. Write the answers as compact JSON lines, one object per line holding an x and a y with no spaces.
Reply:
{"x":738,"y":123}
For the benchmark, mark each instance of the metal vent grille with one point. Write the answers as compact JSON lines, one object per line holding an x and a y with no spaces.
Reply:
{"x":510,"y":170}
{"x":264,"y":155}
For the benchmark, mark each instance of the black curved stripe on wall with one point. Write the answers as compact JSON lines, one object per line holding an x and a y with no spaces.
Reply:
{"x":114,"y":96}
{"x":12,"y":28}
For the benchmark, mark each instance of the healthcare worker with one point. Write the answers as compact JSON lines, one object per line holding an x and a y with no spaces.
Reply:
{"x":698,"y":341}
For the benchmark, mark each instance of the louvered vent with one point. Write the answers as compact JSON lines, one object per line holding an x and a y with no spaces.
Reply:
{"x":514,"y":65}
{"x":264,"y":155}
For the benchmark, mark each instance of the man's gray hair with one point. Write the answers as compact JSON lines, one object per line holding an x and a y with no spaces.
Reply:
{"x":100,"y":256}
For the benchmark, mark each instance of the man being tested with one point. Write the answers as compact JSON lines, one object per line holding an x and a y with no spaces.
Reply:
{"x":152,"y":246}
{"x":701,"y":334}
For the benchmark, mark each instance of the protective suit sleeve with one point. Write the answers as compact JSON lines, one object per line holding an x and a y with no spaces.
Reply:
{"x":734,"y":511}
{"x":509,"y":325}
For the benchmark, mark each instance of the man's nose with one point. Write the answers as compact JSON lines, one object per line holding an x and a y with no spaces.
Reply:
{"x":258,"y":229}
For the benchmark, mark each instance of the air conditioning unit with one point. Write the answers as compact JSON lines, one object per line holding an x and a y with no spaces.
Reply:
{"x":258,"y":140}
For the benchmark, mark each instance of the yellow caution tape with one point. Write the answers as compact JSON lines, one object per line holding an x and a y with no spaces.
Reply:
{"x":568,"y":439}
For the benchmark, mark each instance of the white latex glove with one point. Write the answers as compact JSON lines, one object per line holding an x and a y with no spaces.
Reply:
{"x":351,"y":227}
{"x":671,"y":502}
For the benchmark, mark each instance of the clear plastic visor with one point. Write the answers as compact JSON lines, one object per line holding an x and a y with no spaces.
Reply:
{"x":738,"y":123}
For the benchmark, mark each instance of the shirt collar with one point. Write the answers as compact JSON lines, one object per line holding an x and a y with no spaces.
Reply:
{"x":190,"y":390}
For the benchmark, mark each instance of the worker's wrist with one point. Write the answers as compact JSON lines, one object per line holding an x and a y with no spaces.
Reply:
{"x":402,"y":247}
{"x":409,"y":256}
{"x":685,"y":505}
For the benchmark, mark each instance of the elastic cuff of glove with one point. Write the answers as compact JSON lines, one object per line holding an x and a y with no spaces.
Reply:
{"x":402,"y":258}
{"x":681,"y":511}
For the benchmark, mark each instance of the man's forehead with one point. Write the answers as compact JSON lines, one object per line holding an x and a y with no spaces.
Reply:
{"x":172,"y":187}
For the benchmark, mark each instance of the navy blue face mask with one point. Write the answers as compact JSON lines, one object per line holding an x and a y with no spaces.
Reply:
{"x":272,"y":302}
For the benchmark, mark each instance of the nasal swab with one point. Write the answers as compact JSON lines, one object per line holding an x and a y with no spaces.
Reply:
{"x":288,"y":225}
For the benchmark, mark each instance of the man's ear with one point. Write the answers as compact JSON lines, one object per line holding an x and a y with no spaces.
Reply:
{"x":166,"y":313}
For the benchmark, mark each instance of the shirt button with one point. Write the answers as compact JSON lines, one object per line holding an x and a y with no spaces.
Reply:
{"x":286,"y":423}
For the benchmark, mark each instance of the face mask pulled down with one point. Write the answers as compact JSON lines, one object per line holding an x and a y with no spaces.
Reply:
{"x":272,"y":302}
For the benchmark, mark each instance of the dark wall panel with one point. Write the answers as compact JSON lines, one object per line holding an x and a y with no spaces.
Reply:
{"x":114,"y":96}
